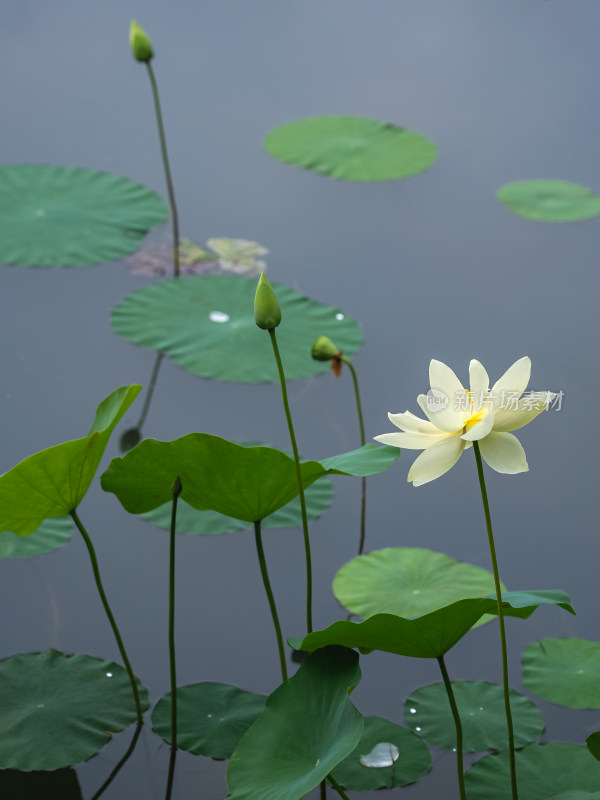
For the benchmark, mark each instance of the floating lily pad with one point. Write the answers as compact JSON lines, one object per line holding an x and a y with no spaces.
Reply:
{"x":52,"y":534}
{"x":550,"y":201}
{"x":67,"y":216}
{"x":229,"y":255}
{"x":208,"y":523}
{"x":206,"y":325}
{"x":352,"y":148}
{"x":53,"y":482}
{"x":544,"y":771}
{"x":239,"y":255}
{"x":61,"y":783}
{"x":408,"y":581}
{"x":481,"y":708}
{"x":431,"y":635}
{"x":60,"y":710}
{"x":211,"y":717}
{"x":247,"y":483}
{"x":307,"y":728}
{"x":381,"y":742}
{"x":564,"y":671}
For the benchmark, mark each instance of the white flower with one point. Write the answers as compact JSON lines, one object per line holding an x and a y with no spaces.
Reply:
{"x":457,"y":417}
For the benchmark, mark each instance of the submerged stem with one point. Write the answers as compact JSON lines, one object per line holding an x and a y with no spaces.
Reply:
{"x":176,"y":491}
{"x":165,"y":158}
{"x":109,"y":614}
{"x":457,"y":725}
{"x":288,"y":416}
{"x":270,"y":597}
{"x":363,"y":502}
{"x":509,"y":723}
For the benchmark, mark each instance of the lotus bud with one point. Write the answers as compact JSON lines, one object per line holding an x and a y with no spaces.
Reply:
{"x":323,"y":349}
{"x":140,"y":43}
{"x":267,"y":313}
{"x":176,"y":487}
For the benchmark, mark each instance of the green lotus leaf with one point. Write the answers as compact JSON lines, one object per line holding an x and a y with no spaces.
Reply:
{"x":52,"y":534}
{"x":60,"y":710}
{"x":211,"y":717}
{"x":209,"y":523}
{"x":351,"y":148}
{"x":544,"y":771}
{"x":67,"y":216}
{"x":206,"y":325}
{"x":482,"y":713}
{"x":431,"y":635}
{"x":593,"y":744}
{"x":307,"y":728}
{"x":408,"y":581}
{"x":575,"y":794}
{"x":550,"y":201}
{"x":247,"y":483}
{"x":53,"y":482}
{"x":564,"y":671}
{"x":412,"y":758}
{"x":61,"y":783}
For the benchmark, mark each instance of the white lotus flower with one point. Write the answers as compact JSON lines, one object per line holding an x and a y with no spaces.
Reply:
{"x":457,"y":417}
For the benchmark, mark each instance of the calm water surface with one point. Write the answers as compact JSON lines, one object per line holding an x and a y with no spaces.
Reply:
{"x":432,"y":266}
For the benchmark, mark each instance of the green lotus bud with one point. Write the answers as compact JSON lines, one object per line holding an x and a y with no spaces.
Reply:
{"x":323,"y":349}
{"x":267,"y":313}
{"x":140,"y":43}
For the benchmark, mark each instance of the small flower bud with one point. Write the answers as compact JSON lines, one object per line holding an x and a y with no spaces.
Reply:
{"x":141,"y":46}
{"x":267,"y":313}
{"x":176,"y":487}
{"x":323,"y":349}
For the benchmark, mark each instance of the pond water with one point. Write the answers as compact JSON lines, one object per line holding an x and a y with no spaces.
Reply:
{"x":432,"y":266}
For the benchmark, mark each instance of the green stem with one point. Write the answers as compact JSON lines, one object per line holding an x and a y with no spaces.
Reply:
{"x":165,"y":158}
{"x":150,"y":391}
{"x":288,"y":416}
{"x":509,"y":723}
{"x":458,"y":726}
{"x":171,"y":774}
{"x":323,"y":790}
{"x":109,"y":614}
{"x":176,"y":491}
{"x":338,"y":788}
{"x":363,"y":503}
{"x":121,"y":764}
{"x":357,"y":394}
{"x":267,"y":584}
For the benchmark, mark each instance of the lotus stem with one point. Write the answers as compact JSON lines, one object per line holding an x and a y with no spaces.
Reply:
{"x":288,"y":416}
{"x":165,"y":158}
{"x":338,"y":788}
{"x":109,"y":614}
{"x":121,"y":764}
{"x":509,"y":723}
{"x":176,"y":491}
{"x":267,"y":584}
{"x":150,"y":391}
{"x":363,"y":500}
{"x":171,"y":775}
{"x":457,"y":725}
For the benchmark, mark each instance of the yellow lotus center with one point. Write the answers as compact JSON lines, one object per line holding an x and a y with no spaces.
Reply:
{"x":475,"y":418}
